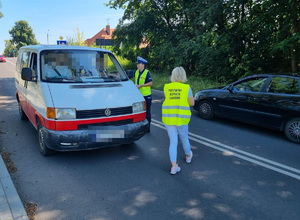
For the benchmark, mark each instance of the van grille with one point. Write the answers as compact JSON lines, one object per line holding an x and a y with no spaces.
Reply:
{"x":97,"y":113}
{"x":110,"y":123}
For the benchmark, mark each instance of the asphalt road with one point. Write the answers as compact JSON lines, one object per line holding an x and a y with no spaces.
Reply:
{"x":238,"y":171}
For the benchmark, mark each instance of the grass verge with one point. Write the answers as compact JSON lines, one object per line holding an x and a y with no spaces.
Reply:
{"x":197,"y":83}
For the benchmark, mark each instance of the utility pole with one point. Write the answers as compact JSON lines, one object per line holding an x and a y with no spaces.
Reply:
{"x":48,"y":37}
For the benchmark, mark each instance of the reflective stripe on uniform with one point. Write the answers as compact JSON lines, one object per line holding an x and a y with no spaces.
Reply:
{"x":176,"y":107}
{"x":146,"y":90}
{"x":175,"y":115}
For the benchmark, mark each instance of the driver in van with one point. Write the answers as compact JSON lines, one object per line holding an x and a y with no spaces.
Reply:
{"x":98,"y":69}
{"x":57,"y":66}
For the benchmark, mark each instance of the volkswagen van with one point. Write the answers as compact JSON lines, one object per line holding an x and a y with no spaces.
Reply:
{"x":77,"y":98}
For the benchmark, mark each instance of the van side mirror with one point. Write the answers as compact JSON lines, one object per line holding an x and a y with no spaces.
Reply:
{"x":130,"y":73}
{"x":27,"y":74}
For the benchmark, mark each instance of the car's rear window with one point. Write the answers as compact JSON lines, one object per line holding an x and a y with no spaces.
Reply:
{"x":284,"y":85}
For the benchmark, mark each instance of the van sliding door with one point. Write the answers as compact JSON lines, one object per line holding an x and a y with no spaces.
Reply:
{"x":31,"y":90}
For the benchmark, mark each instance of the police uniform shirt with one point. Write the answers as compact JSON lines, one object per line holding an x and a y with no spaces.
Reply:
{"x":148,"y":78}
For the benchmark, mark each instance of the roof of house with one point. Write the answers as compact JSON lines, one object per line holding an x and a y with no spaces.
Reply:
{"x":105,"y":33}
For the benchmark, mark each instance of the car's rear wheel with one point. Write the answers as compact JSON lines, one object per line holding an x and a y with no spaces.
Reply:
{"x":45,"y":151}
{"x":292,"y":130}
{"x":205,"y":109}
{"x":22,"y":114}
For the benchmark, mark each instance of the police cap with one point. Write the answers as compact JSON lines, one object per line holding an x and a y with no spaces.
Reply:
{"x":141,"y":60}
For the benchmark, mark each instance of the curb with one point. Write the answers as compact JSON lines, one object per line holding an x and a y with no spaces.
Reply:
{"x":11,"y":206}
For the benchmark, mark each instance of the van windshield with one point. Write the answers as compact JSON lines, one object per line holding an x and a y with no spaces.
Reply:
{"x":80,"y":66}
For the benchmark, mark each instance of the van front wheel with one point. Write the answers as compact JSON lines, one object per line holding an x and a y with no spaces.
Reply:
{"x":22,"y":114}
{"x":45,"y":151}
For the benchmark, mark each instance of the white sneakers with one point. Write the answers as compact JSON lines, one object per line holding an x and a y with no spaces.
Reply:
{"x":175,"y":170}
{"x":189,"y":159}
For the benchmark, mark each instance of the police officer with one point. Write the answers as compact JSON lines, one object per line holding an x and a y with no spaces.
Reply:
{"x":143,"y":81}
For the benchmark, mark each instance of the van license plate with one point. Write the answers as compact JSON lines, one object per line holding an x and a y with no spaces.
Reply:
{"x":106,"y":135}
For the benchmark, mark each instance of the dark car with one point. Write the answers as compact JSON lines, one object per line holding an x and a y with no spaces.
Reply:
{"x":267,"y":100}
{"x":2,"y":58}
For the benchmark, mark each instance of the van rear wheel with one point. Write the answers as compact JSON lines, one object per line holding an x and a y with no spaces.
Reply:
{"x":292,"y":130}
{"x":45,"y":151}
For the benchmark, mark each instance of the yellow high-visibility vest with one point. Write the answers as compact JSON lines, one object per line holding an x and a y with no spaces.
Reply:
{"x":146,"y":90}
{"x":176,"y":109}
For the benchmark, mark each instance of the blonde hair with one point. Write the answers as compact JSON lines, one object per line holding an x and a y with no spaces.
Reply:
{"x":178,"y":75}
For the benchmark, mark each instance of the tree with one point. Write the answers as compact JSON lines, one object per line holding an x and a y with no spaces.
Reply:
{"x":78,"y":39}
{"x":1,"y":15}
{"x":9,"y":49}
{"x":286,"y":15}
{"x":223,"y":40}
{"x":22,"y":34}
{"x":154,"y":23}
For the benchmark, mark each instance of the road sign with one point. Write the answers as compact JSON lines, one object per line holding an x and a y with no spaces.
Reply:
{"x":104,"y":42}
{"x":61,"y":42}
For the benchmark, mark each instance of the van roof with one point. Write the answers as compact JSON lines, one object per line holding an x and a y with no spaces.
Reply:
{"x":42,"y":47}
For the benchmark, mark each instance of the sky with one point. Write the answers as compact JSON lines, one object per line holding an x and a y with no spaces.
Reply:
{"x":50,"y":19}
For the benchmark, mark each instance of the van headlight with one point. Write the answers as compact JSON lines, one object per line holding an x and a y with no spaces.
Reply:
{"x":138,"y":107}
{"x":61,"y":113}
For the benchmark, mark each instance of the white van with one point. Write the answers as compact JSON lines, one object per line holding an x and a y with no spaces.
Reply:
{"x":78,"y":98}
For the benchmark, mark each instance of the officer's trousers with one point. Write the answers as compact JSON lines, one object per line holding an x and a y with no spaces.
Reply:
{"x":148,"y":100}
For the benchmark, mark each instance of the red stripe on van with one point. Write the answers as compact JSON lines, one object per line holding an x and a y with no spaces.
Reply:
{"x":73,"y":125}
{"x":31,"y":113}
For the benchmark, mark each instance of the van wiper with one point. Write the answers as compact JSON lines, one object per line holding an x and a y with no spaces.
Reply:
{"x":111,"y":80}
{"x":61,"y":80}
{"x":73,"y":80}
{"x":93,"y":77}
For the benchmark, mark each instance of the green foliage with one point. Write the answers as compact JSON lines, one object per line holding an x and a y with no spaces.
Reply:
{"x":22,"y":34}
{"x":126,"y":64}
{"x":9,"y":49}
{"x":1,"y":15}
{"x":77,"y":39}
{"x":160,"y":78}
{"x":219,"y":40}
{"x":196,"y":83}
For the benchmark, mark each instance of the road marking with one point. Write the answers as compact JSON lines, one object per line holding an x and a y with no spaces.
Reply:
{"x":8,"y":61}
{"x":269,"y":164}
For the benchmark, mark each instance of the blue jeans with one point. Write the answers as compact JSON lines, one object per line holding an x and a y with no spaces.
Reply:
{"x":173,"y":132}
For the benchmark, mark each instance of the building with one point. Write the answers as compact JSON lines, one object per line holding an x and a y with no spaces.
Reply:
{"x":105,"y":33}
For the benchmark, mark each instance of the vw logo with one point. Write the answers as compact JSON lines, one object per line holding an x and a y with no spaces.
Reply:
{"x":107,"y":112}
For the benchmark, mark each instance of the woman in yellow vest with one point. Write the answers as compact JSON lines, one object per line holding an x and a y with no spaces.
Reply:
{"x":143,"y":81}
{"x":176,"y":114}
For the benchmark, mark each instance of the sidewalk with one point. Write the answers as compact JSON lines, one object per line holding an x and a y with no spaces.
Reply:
{"x":11,"y":206}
